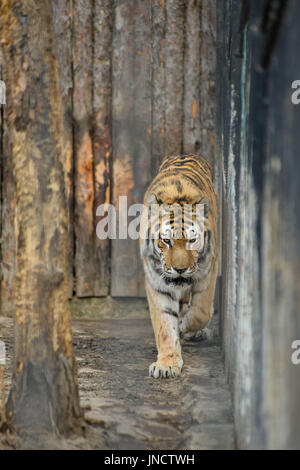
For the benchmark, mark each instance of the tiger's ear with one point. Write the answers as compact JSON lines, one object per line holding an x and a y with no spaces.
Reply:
{"x":152,"y":199}
{"x":206,"y":203}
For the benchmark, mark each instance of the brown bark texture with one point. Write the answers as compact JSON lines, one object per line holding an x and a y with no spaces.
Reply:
{"x":44,"y":396}
{"x":62,"y":16}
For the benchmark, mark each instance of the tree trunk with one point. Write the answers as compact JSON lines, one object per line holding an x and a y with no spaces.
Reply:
{"x":44,"y":395}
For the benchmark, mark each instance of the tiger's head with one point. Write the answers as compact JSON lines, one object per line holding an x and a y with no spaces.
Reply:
{"x":180,"y":238}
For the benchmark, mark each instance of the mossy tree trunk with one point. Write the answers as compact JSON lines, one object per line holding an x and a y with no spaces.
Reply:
{"x":44,"y":394}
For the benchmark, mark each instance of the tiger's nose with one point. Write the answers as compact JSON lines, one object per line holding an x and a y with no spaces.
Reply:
{"x":180,"y":270}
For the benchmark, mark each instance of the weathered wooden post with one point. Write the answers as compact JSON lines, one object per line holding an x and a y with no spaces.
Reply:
{"x":44,"y":395}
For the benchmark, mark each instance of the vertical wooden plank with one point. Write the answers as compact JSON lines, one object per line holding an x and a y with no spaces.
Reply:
{"x":175,"y":11}
{"x":102,"y":144}
{"x":192,"y":79}
{"x":158,"y":60}
{"x":84,"y":181}
{"x":207,"y":89}
{"x":131,"y":131}
{"x":62,"y":16}
{"x":8,"y":239}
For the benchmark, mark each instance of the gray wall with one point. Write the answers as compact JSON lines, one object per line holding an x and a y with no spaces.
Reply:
{"x":258,"y":171}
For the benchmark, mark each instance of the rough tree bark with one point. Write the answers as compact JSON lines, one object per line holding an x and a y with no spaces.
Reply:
{"x":44,"y":395}
{"x":62,"y":20}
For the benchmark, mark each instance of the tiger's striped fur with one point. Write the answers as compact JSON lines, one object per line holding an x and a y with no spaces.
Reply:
{"x":180,"y":272}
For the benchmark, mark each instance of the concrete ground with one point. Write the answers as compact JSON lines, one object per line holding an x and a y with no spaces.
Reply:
{"x":126,"y":409}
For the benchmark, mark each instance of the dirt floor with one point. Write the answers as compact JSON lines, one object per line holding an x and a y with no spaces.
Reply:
{"x":126,"y":409}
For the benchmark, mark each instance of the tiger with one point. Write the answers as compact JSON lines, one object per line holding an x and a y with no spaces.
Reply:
{"x":179,"y":254}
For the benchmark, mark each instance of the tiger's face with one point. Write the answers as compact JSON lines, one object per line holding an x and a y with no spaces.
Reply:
{"x":179,"y":244}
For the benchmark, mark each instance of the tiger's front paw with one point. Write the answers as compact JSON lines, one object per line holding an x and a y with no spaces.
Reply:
{"x":166,"y":368}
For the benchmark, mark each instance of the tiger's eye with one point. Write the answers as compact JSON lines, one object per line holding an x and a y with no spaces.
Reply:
{"x":167,"y":241}
{"x":192,"y":240}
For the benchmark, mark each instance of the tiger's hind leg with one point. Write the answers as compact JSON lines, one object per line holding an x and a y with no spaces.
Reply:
{"x":199,"y":335}
{"x":199,"y":314}
{"x":166,"y":329}
{"x":200,"y":311}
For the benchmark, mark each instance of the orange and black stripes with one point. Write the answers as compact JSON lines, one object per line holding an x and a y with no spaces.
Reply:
{"x":180,"y":263}
{"x":178,"y":172}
